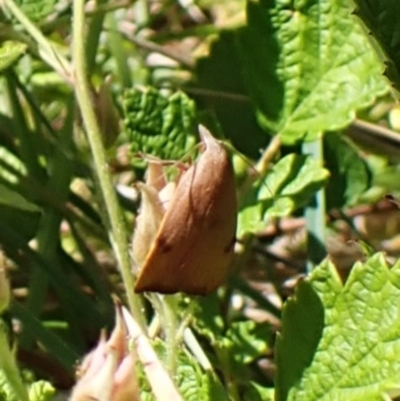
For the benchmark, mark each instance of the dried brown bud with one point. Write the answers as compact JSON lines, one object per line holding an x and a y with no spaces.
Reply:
{"x":191,"y":249}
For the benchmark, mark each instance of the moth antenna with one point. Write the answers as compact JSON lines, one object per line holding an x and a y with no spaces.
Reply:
{"x":186,"y":158}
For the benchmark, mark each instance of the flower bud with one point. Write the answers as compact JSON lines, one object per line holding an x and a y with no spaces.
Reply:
{"x":108,"y":372}
{"x":192,"y":247}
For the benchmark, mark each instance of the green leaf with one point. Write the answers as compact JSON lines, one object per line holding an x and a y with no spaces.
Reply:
{"x":250,"y":220}
{"x":6,"y":392}
{"x":250,"y":217}
{"x":11,"y":167}
{"x":350,"y":176}
{"x":291,"y":184}
{"x":341,"y":342}
{"x":26,"y":223}
{"x":13,"y":199}
{"x":37,"y":10}
{"x":257,"y":393}
{"x":159,"y":125}
{"x":10,"y":52}
{"x":55,"y":345}
{"x":193,"y":383}
{"x":287,"y":187}
{"x":302,"y":326}
{"x":208,"y":319}
{"x":308,"y":65}
{"x":190,"y":379}
{"x":382,"y":17}
{"x":236,"y":347}
{"x":41,"y":391}
{"x":220,"y":77}
{"x":247,"y":341}
{"x":212,"y":388}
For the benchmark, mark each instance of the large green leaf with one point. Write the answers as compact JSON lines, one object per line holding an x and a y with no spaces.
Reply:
{"x":220,"y":77}
{"x":341,"y":342}
{"x":308,"y":64}
{"x":382,"y":17}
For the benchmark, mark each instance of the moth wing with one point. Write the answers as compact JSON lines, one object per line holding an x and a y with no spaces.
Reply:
{"x":193,"y":247}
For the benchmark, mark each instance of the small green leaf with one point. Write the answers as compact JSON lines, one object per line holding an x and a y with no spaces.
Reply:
{"x":250,"y":220}
{"x":287,"y":187}
{"x":382,"y":17}
{"x":341,"y":342}
{"x":193,"y":383}
{"x":41,"y":391}
{"x":255,"y":392}
{"x":212,"y":388}
{"x":291,"y":184}
{"x":250,"y":217}
{"x":350,"y":176}
{"x":189,"y":378}
{"x":159,"y":125}
{"x":11,"y":168}
{"x":208,"y":320}
{"x":37,"y":10}
{"x":10,"y":52}
{"x":247,"y":340}
{"x":308,"y":65}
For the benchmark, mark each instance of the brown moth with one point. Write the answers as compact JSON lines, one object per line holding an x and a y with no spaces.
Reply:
{"x":191,"y":249}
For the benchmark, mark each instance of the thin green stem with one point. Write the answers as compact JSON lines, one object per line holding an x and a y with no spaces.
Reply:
{"x":196,"y":349}
{"x":116,"y":228}
{"x":170,"y":322}
{"x":47,"y":50}
{"x":230,"y":383}
{"x":315,"y":215}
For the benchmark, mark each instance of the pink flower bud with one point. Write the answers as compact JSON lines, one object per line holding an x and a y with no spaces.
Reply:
{"x":108,"y":372}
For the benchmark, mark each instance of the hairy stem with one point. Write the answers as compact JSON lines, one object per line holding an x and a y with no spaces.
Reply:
{"x":114,"y":219}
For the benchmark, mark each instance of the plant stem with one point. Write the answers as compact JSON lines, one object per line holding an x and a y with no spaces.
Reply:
{"x":198,"y":352}
{"x":47,"y":50}
{"x":315,"y":215}
{"x":268,"y":155}
{"x":230,"y":384}
{"x":114,"y":220}
{"x":171,"y":327}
